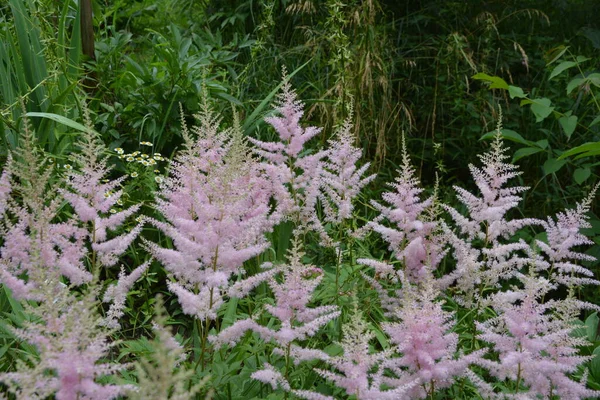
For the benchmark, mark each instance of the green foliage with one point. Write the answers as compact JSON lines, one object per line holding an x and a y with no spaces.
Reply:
{"x":39,"y":70}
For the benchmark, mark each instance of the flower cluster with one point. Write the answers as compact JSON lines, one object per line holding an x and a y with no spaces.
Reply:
{"x":215,"y":203}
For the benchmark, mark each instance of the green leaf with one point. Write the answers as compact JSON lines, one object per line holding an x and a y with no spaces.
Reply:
{"x":581,"y":174}
{"x":584,"y":148}
{"x":591,"y":324}
{"x":556,"y":53}
{"x":515,"y":91}
{"x":527,"y":151}
{"x":542,"y":144}
{"x":568,"y":124}
{"x":250,"y":122}
{"x":574,"y":84}
{"x":541,"y":108}
{"x":595,"y":121}
{"x":507,"y":134}
{"x":495,"y":81}
{"x":563,"y":66}
{"x":552,"y":165}
{"x":595,"y":364}
{"x":60,"y":119}
{"x":581,"y":59}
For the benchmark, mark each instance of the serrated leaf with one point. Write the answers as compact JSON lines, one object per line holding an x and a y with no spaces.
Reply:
{"x":541,"y":108}
{"x":568,"y":124}
{"x":563,"y":66}
{"x":527,"y":151}
{"x":495,"y":81}
{"x":581,"y":174}
{"x":552,"y":165}
{"x":515,"y":91}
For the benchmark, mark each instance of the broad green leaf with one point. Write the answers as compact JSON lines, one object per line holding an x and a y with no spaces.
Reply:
{"x":581,"y":59}
{"x":507,"y":134}
{"x":527,"y":151}
{"x":595,"y":121}
{"x":542,"y":144}
{"x":586,"y":147}
{"x":574,"y":84}
{"x":495,"y":81}
{"x":541,"y":108}
{"x":60,"y":119}
{"x":568,"y":124}
{"x":515,"y":91}
{"x":552,"y":165}
{"x":591,"y":324}
{"x":563,"y":66}
{"x":595,"y":363}
{"x":594,"y":79}
{"x":581,"y":174}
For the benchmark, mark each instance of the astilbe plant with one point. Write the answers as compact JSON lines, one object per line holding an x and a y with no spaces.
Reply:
{"x":93,"y":197}
{"x":413,"y":236}
{"x":341,"y":178}
{"x":536,"y":348}
{"x":483,"y":258}
{"x":162,"y":375}
{"x":71,"y":343}
{"x":357,"y":370}
{"x":564,"y":234}
{"x":302,"y":180}
{"x":38,"y":255}
{"x":216,"y":206}
{"x":36,"y":247}
{"x":92,"y":194}
{"x":293,"y":290}
{"x":426,"y":346}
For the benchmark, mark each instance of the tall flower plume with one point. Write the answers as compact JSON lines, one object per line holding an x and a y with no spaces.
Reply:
{"x":216,"y":206}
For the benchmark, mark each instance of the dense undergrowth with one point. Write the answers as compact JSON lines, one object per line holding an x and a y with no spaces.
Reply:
{"x":177,"y":223}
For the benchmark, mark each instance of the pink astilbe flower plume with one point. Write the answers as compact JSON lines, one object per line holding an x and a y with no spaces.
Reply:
{"x":482,"y":259}
{"x":117,"y":295}
{"x":93,"y":196}
{"x":36,"y":247}
{"x":564,"y":234}
{"x":486,"y":219}
{"x":342,"y":180}
{"x":359,"y":367}
{"x":413,"y":236}
{"x":536,"y":349}
{"x":426,"y":346}
{"x":216,"y":209}
{"x":296,"y":177}
{"x":303,"y":181}
{"x":292,"y":292}
{"x":71,"y":345}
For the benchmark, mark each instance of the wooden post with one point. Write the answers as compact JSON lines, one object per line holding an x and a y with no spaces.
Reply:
{"x":87,"y":41}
